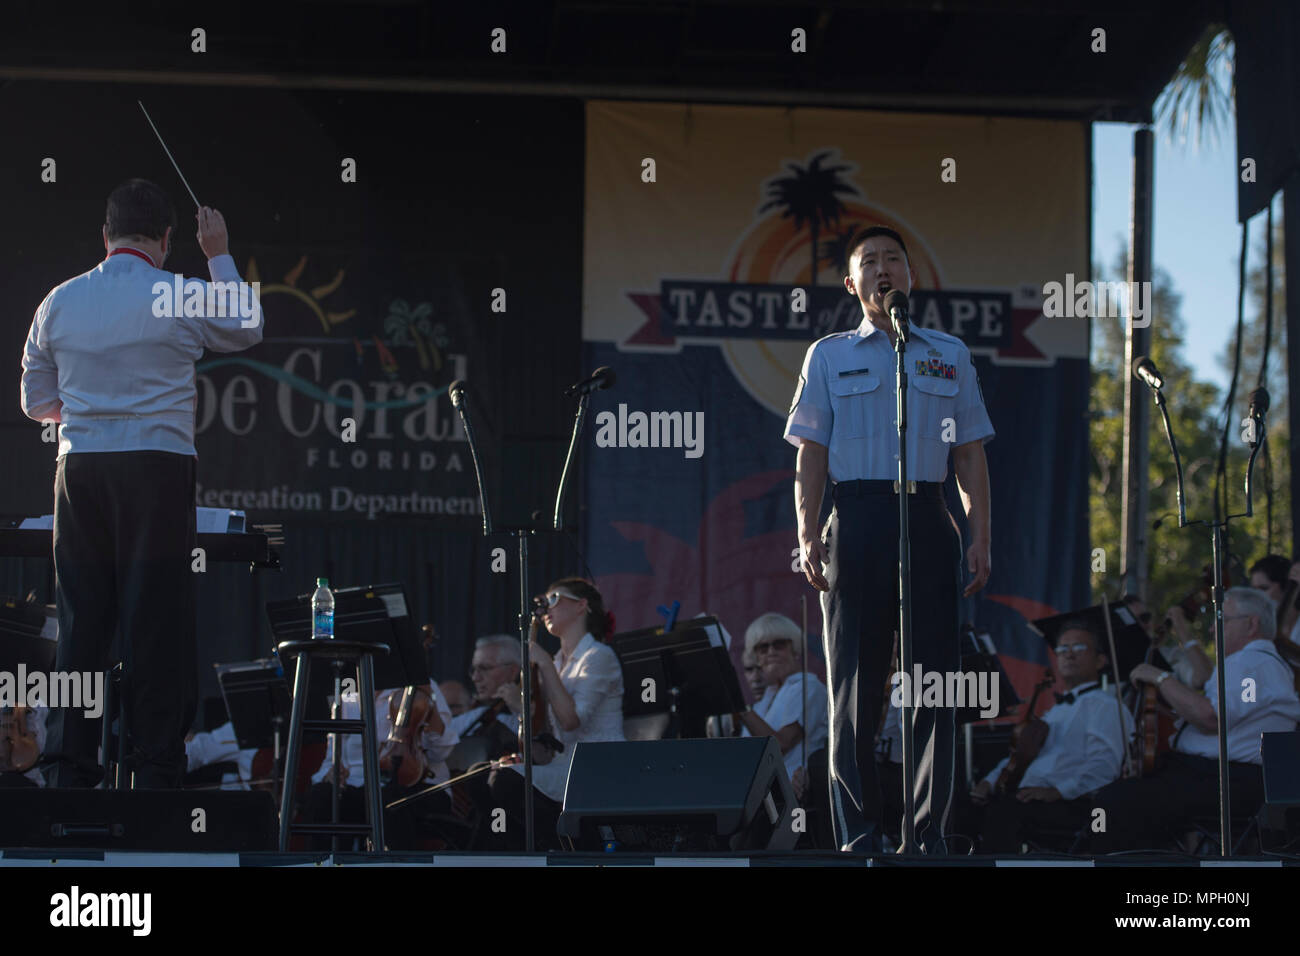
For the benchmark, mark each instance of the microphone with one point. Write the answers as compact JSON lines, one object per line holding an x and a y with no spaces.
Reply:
{"x":456,"y":392}
{"x":1146,"y":370}
{"x":1259,"y":402}
{"x":603,"y":377}
{"x":896,"y":309}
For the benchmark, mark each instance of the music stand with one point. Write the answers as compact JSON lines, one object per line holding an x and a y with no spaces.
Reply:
{"x":372,"y":614}
{"x":1131,"y":640}
{"x":21,"y":640}
{"x":978,"y":655}
{"x":257,"y":701}
{"x":692,"y":672}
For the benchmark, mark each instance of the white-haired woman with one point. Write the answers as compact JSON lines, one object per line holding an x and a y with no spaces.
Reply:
{"x":792,"y":696}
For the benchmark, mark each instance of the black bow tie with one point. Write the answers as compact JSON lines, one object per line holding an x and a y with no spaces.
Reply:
{"x":1070,"y":698}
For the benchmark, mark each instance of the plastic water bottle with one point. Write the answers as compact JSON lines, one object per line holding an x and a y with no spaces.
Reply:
{"x":322,"y":611}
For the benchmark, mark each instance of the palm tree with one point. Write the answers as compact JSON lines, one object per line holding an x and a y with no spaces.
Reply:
{"x":404,"y":326}
{"x":1196,"y":84}
{"x":809,"y":195}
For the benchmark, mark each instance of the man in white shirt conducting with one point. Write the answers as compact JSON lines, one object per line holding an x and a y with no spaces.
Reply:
{"x":111,"y":360}
{"x":1088,"y":731}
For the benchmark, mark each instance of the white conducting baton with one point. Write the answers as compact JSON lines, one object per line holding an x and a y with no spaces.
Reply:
{"x":197,"y":205}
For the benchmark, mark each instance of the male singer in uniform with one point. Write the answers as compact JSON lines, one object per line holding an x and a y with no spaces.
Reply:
{"x":843,"y":421}
{"x":120,"y":380}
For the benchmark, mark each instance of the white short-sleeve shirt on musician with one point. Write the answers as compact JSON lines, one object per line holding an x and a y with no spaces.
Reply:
{"x":846,"y":399}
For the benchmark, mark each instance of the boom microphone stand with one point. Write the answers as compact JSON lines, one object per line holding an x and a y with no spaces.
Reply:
{"x":602,"y":378}
{"x":456,"y":392}
{"x":1145,"y":369}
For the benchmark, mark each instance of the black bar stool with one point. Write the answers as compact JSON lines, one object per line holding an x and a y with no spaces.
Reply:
{"x":341,"y":653}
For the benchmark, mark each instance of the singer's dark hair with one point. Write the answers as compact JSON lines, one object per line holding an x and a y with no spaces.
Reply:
{"x":870,"y":232}
{"x":597,"y":616}
{"x":1274,"y":567}
{"x":139,"y":208}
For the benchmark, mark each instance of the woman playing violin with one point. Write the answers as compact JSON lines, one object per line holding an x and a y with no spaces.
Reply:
{"x":583,"y":687}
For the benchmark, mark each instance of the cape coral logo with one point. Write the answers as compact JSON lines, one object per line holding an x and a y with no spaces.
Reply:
{"x":797,"y":240}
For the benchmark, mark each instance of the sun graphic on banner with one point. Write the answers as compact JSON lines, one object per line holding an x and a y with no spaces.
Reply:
{"x":799,"y":238}
{"x":312,"y":299}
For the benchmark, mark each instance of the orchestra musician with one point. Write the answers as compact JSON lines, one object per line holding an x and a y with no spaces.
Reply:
{"x":403,"y":826}
{"x":1144,"y":811}
{"x":1088,"y":733}
{"x":22,"y":741}
{"x":457,"y":696}
{"x":793,"y":706}
{"x":494,"y":669}
{"x":583,"y":688}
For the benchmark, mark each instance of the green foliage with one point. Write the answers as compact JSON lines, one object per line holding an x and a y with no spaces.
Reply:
{"x":1177,"y":556}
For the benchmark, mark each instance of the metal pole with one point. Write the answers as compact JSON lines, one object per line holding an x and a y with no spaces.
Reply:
{"x":1291,"y":214}
{"x":1137,"y":341}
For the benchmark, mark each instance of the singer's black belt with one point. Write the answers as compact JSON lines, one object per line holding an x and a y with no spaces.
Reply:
{"x":883,"y":486}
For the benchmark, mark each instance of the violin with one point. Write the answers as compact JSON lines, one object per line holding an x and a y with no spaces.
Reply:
{"x":410,"y":714}
{"x":1027,"y":739}
{"x":1155,"y":718}
{"x":18,"y":749}
{"x":544,"y":743}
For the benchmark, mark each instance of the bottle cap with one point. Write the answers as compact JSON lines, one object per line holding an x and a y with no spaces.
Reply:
{"x":322,"y":582}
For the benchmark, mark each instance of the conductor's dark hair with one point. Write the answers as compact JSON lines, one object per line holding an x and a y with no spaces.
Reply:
{"x":870,"y":232}
{"x":139,"y":208}
{"x":597,"y":616}
{"x":1275,"y":568}
{"x":1082,"y":624}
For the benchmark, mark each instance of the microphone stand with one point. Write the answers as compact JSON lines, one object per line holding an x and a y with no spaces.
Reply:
{"x":1218,"y":529}
{"x":457,"y":394}
{"x":902,"y":333}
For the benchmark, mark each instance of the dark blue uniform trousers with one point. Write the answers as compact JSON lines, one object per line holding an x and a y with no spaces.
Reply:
{"x":860,"y":614}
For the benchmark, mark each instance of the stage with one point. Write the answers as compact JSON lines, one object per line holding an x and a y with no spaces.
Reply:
{"x":111,"y":859}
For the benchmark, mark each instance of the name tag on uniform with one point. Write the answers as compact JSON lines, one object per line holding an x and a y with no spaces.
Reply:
{"x":855,"y":371}
{"x":935,"y":368}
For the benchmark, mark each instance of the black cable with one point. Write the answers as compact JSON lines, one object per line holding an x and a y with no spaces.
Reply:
{"x":1263,"y":375}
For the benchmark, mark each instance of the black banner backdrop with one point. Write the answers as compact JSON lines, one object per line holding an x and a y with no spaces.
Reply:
{"x":377,"y":294}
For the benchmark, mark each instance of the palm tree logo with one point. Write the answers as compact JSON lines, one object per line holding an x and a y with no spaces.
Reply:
{"x":810,"y":194}
{"x":407,"y":325}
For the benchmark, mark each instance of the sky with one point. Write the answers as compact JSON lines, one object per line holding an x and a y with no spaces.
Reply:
{"x":1197,"y":237}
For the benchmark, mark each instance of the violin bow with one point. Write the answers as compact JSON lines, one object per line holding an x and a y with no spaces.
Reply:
{"x":1119,"y":704}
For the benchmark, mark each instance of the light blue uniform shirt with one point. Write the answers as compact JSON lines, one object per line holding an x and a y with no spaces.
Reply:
{"x":847,"y":400}
{"x":116,"y":376}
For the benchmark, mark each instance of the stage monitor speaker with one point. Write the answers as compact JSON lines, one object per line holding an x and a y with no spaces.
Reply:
{"x":167,"y":821}
{"x":1280,"y":814}
{"x":679,"y":795}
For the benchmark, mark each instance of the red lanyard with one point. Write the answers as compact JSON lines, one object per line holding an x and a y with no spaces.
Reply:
{"x":131,"y":252}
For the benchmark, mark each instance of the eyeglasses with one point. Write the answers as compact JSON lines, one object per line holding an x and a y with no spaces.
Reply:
{"x":1072,"y":648}
{"x":553,"y":598}
{"x":772,"y":646}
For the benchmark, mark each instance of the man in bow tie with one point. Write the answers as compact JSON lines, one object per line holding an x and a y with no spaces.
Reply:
{"x":1084,"y":750}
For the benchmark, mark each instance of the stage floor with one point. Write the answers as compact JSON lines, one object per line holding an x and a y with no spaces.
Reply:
{"x":127,"y":858}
